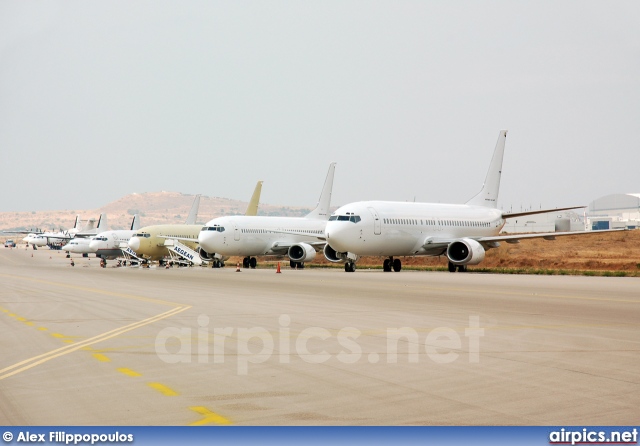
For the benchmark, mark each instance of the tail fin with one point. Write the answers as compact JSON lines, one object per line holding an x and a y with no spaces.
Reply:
{"x":102,"y":224}
{"x":193,"y":213}
{"x":488,"y":196}
{"x":135,"y":223}
{"x":76,"y":225}
{"x":252,"y":209}
{"x":321,"y":212}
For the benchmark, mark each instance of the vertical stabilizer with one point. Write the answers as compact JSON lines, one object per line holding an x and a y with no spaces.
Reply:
{"x":321,"y":212}
{"x":135,"y":223}
{"x":193,"y":213}
{"x":76,"y":225}
{"x":488,"y":196}
{"x":102,"y":224}
{"x":252,"y":209}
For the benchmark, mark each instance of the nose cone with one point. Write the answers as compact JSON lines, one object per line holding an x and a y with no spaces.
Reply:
{"x":66,"y":247}
{"x":94,"y":245}
{"x":207,"y":241}
{"x":337,"y":235}
{"x":134,"y":243}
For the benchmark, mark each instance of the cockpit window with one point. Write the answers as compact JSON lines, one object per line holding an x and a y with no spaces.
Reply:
{"x":349,"y":217}
{"x":142,"y":235}
{"x":214,"y":228}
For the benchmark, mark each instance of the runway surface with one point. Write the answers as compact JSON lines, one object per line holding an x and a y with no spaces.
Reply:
{"x":132,"y":346}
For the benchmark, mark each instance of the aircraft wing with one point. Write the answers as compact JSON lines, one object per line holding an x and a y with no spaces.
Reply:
{"x":305,"y":234}
{"x":515,"y":238}
{"x":182,"y":239}
{"x":541,"y":211}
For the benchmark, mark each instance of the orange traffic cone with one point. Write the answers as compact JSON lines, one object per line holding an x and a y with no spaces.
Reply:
{"x":278,"y":270}
{"x":238,"y":267}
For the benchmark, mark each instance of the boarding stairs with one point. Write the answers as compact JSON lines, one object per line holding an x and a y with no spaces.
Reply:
{"x":180,"y":252}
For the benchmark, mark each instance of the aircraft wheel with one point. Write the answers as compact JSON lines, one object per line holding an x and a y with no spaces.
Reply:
{"x":253,"y":262}
{"x":452,"y":268}
{"x":292,"y":264}
{"x":245,"y":262}
{"x":386,"y":265}
{"x":462,"y":268}
{"x":397,"y":265}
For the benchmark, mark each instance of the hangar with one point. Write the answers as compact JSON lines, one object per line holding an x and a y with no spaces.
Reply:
{"x":615,"y":211}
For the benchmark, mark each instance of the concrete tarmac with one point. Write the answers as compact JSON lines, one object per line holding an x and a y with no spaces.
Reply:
{"x":85,"y":345}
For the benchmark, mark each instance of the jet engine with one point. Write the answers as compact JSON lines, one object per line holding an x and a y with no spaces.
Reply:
{"x":338,"y":257}
{"x":301,"y":252}
{"x":204,"y":255}
{"x":465,"y":251}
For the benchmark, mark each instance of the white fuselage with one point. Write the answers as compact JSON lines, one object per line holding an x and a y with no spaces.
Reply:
{"x":109,"y":243}
{"x":259,"y":235}
{"x":407,"y":229}
{"x":78,"y":246}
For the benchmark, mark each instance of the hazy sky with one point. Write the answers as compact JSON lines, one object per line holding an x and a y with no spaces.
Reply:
{"x":99,"y":99}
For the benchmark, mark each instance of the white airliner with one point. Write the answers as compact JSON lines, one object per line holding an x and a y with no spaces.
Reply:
{"x":109,"y":244}
{"x":462,"y":232}
{"x":248,"y":236}
{"x":159,"y":241}
{"x":79,"y":241}
{"x":55,"y":238}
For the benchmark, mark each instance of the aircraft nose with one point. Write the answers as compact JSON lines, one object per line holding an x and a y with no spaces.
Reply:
{"x":134,"y":243}
{"x":337,"y":235}
{"x":94,"y":245}
{"x":205,"y":240}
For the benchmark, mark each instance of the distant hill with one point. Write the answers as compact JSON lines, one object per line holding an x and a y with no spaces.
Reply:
{"x":153,"y":207}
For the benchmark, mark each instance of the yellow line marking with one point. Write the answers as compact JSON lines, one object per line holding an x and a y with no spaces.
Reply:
{"x":36,"y":360}
{"x":166,"y":391}
{"x":129,"y":372}
{"x":87,"y":348}
{"x":21,"y":319}
{"x":57,"y":335}
{"x":209,"y":417}
{"x":12,"y":315}
{"x":101,"y":357}
{"x":68,"y":341}
{"x":42,"y":328}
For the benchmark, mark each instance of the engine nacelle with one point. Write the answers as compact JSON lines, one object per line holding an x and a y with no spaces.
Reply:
{"x":301,"y":252}
{"x":204,"y":255}
{"x":465,"y":251}
{"x":336,"y":257}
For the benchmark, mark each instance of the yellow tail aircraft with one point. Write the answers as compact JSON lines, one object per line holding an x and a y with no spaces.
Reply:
{"x":180,"y":242}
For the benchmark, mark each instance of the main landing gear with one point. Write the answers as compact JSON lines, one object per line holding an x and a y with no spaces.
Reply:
{"x":350,"y":267}
{"x":460,"y":268}
{"x":249,"y":262}
{"x":296,"y":265}
{"x":391,"y":263}
{"x":217,"y":264}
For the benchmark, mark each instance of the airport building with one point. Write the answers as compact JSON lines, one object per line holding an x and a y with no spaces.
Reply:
{"x":615,"y":211}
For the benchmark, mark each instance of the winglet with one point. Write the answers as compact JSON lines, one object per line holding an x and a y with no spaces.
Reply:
{"x":252,"y":209}
{"x":321,"y":212}
{"x":193,"y":213}
{"x":488,"y":196}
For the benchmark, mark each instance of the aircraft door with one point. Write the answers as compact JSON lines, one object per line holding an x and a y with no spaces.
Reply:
{"x":376,"y":221}
{"x":236,"y":232}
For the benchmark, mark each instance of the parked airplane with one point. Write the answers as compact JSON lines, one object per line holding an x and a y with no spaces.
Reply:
{"x":250,"y":236}
{"x":159,"y":241}
{"x":56,"y":238}
{"x":462,"y":232}
{"x":109,"y":244}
